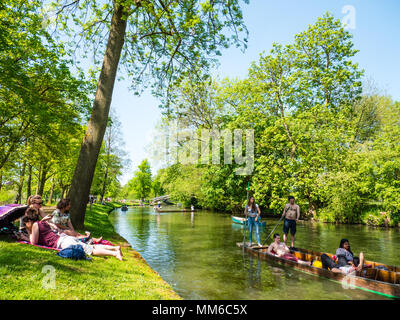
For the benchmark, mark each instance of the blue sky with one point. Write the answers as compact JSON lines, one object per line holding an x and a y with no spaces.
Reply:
{"x":376,"y":35}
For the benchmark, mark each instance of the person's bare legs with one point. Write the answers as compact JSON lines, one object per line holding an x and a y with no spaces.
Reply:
{"x":97,"y":239}
{"x":292,"y":240}
{"x":360,"y":265}
{"x":114,"y":248}
{"x":284,"y":237}
{"x":99,"y":250}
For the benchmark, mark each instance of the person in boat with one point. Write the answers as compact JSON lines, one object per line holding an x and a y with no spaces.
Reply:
{"x":253,"y":213}
{"x":346,"y":257}
{"x":61,"y":219}
{"x":40,"y":233}
{"x":344,"y":262}
{"x":291,"y":212}
{"x":281,"y":250}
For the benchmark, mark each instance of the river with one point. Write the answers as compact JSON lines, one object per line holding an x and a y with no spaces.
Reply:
{"x":196,"y":254}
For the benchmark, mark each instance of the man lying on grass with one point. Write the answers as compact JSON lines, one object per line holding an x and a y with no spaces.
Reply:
{"x":40,"y":233}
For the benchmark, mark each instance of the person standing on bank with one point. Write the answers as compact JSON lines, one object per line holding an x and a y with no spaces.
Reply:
{"x":253,"y":213}
{"x":291,"y":212}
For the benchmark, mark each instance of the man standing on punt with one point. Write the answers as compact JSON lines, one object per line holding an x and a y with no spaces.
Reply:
{"x":291,"y":212}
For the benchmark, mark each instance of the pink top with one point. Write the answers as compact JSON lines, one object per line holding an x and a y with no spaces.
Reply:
{"x":47,"y":237}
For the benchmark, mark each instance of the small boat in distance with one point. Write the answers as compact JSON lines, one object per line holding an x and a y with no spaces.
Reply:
{"x":243,"y":221}
{"x":124,"y":208}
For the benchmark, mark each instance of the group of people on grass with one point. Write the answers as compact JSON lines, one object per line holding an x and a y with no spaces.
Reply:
{"x":343,"y":262}
{"x":56,"y":230}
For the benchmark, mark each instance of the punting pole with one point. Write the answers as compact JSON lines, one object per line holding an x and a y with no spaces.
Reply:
{"x":246,"y":224}
{"x":273,"y":230}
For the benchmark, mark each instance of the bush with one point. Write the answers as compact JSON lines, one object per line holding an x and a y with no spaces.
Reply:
{"x":7,"y":196}
{"x":326,"y":215}
{"x":374,"y":217}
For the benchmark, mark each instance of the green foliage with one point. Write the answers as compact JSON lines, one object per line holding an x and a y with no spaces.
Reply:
{"x":7,"y":196}
{"x":42,"y":103}
{"x":317,"y":136}
{"x":103,"y":278}
{"x":164,"y":40}
{"x":140,"y":185}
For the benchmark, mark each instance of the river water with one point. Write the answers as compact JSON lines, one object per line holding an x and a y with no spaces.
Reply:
{"x":196,"y":254}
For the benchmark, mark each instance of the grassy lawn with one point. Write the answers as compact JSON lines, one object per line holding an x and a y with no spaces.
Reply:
{"x":22,"y":272}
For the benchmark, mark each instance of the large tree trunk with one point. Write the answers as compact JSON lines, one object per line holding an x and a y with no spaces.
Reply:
{"x":90,"y":148}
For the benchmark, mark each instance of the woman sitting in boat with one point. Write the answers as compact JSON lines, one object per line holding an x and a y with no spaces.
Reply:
{"x":346,"y":257}
{"x":344,"y":261}
{"x":281,"y":250}
{"x":253,"y":212}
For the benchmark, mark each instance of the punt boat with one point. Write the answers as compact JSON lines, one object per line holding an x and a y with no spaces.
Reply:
{"x":243,"y":221}
{"x":373,"y":279}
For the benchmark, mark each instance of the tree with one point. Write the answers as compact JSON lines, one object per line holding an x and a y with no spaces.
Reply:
{"x":112,"y":159}
{"x":303,"y":102}
{"x":159,"y":40}
{"x":37,"y":89}
{"x":141,"y":183}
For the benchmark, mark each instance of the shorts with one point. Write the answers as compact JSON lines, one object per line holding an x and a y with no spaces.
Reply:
{"x":66,"y":241}
{"x":347,"y":269}
{"x":289,"y":225}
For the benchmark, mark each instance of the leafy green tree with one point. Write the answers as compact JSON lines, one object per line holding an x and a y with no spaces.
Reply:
{"x":112,"y":160}
{"x":157,"y":41}
{"x":141,"y":183}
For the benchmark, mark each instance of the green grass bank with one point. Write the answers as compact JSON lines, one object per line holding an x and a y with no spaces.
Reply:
{"x":24,"y":270}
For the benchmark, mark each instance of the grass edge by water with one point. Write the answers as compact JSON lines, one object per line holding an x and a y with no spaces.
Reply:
{"x":28,"y":272}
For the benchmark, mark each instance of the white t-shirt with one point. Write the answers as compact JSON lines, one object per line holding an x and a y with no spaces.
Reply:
{"x":250,"y":212}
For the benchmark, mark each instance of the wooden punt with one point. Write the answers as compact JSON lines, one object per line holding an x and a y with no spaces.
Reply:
{"x":241,"y":220}
{"x":378,"y":281}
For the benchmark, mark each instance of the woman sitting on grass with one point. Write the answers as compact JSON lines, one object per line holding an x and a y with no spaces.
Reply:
{"x":61,"y":218}
{"x":40,"y":233}
{"x":36,"y":202}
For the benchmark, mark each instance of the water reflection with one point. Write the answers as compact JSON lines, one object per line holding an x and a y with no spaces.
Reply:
{"x":196,"y":253}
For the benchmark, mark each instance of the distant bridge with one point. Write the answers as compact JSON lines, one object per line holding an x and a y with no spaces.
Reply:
{"x":161,"y":198}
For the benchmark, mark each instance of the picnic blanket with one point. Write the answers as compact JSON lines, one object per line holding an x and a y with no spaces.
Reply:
{"x":104,"y":242}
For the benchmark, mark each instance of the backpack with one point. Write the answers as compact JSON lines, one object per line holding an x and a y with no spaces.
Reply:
{"x":74,"y":251}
